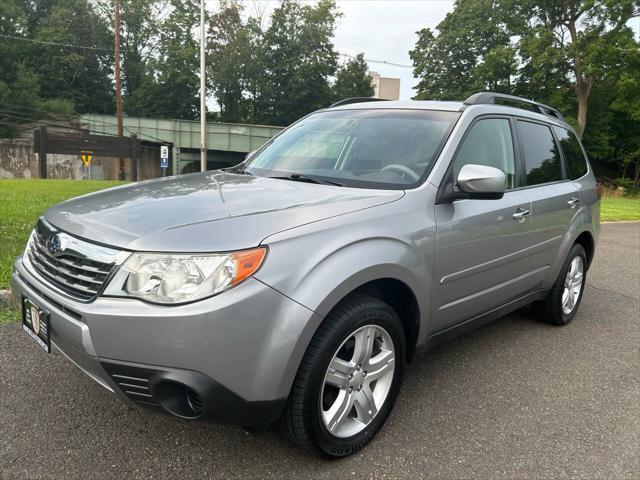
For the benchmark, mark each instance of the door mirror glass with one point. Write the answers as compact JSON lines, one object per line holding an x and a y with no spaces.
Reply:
{"x":481,"y":181}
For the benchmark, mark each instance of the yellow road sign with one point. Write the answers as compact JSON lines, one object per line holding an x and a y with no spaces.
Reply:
{"x":86,"y":158}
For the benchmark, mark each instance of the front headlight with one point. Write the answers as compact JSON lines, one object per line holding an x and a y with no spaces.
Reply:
{"x":180,"y":278}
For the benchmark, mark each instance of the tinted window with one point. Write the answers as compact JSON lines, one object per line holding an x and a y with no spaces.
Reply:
{"x":541,"y":154}
{"x":488,"y":143}
{"x":573,"y":154}
{"x":360,"y":148}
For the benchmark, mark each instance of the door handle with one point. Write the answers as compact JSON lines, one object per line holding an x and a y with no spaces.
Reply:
{"x":573,"y":202}
{"x":521,"y":213}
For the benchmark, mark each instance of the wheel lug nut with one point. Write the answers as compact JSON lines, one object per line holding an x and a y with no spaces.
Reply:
{"x":359,"y":387}
{"x":350,"y":389}
{"x":364,"y":374}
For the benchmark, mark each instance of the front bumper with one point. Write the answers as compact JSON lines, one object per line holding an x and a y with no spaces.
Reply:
{"x":238,"y":352}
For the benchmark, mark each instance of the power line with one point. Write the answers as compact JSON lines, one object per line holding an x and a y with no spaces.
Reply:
{"x":66,"y":45}
{"x":386,"y":62}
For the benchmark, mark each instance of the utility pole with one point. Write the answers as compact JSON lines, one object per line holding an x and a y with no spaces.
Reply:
{"x":203,"y":93}
{"x":118,"y":83}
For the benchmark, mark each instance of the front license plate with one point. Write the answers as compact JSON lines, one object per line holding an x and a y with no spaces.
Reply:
{"x":35,"y":322}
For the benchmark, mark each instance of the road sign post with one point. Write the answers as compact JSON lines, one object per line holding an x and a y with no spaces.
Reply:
{"x":164,"y":159}
{"x":87,"y":156}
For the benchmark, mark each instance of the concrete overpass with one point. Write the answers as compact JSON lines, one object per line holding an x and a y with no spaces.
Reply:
{"x":227,"y":143}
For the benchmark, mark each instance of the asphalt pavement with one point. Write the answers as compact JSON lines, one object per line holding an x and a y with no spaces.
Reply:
{"x":514,"y":399}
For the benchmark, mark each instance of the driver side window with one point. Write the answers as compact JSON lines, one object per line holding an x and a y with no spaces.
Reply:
{"x":489,"y":143}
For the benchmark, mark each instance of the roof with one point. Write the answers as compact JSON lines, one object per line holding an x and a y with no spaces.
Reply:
{"x":413,"y":104}
{"x":452,"y":106}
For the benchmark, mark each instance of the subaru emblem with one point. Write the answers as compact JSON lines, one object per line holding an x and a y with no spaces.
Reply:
{"x":54,"y":244}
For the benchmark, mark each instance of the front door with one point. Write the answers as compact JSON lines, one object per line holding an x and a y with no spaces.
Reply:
{"x":482,"y":246}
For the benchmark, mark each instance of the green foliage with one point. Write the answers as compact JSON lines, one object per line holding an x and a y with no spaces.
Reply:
{"x":577,"y":55}
{"x":139,"y":39}
{"x":275,"y":74}
{"x":470,"y":52}
{"x":229,"y":59}
{"x":353,"y":80}
{"x":298,"y":59}
{"x":267,"y":74}
{"x":46,"y":74}
{"x":171,"y":84}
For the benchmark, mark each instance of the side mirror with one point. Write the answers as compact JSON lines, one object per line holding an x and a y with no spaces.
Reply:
{"x":481,"y":181}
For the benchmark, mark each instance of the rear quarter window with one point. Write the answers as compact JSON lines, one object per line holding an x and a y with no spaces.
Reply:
{"x":541,"y":153}
{"x":573,"y":153}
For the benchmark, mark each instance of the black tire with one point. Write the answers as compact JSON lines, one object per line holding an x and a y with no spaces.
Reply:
{"x":301,"y":421}
{"x":550,"y":309}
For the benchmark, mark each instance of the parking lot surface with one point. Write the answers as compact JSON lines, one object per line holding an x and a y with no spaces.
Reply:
{"x":514,"y":399}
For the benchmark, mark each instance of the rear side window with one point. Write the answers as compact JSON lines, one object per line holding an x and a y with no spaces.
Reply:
{"x":573,"y":153}
{"x":541,"y":154}
{"x":489,"y":143}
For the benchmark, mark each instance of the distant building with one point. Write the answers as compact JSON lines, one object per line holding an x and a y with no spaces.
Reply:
{"x":385,"y":87}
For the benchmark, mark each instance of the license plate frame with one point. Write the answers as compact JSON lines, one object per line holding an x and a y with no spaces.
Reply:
{"x":36,"y":323}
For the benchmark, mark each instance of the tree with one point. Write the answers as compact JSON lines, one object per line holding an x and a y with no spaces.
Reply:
{"x":298,"y":59}
{"x":229,"y":53}
{"x":139,"y":39}
{"x":75,"y":60}
{"x":53,"y":61}
{"x":171,"y":87}
{"x":548,"y":49}
{"x":591,"y":34}
{"x":353,"y":79}
{"x":470,"y":52}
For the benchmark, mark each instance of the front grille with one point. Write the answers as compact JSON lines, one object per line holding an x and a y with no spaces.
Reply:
{"x":75,"y":269}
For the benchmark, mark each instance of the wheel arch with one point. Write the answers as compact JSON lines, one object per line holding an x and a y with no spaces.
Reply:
{"x":585,"y":238}
{"x":386,"y":268}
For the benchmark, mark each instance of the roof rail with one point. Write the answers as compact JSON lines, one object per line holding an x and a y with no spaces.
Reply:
{"x":347,"y":101}
{"x":491,"y":97}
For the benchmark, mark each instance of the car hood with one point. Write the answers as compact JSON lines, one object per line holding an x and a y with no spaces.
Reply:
{"x":211,"y":211}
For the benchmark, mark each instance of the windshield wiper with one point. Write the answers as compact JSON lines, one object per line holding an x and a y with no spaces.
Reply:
{"x":300,"y":177}
{"x":240,"y":169}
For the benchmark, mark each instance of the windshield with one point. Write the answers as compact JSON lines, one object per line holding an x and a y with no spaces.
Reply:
{"x":378,"y":148}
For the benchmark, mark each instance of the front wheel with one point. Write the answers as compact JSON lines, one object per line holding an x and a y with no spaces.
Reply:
{"x":348,"y":379}
{"x":563,"y":300}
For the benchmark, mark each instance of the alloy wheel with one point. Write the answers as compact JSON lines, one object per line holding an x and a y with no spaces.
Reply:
{"x":572,"y":285}
{"x":357,"y":381}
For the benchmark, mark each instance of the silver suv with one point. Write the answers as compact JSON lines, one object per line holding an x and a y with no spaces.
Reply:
{"x":294,"y":288}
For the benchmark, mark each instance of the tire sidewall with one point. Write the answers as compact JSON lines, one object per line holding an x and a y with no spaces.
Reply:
{"x":386,"y":318}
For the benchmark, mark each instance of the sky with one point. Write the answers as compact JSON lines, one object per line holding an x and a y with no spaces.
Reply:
{"x":384,"y":30}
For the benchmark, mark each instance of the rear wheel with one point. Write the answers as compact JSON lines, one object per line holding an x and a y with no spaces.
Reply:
{"x":563,"y":300}
{"x":348,"y":379}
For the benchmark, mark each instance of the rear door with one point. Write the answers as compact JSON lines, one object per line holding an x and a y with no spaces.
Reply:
{"x":482,"y":246}
{"x":554,"y":197}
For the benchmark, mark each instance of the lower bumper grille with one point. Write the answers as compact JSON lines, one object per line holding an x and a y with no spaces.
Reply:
{"x":133,"y":382}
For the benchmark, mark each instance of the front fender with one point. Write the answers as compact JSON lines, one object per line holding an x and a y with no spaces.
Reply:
{"x":321,"y":278}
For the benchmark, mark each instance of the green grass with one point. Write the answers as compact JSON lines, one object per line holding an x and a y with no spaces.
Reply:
{"x":9,"y":315}
{"x":21,"y":203}
{"x":619,"y":209}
